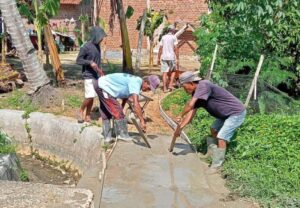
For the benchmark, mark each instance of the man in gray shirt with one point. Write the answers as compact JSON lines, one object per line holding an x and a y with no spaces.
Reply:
{"x":227,"y":109}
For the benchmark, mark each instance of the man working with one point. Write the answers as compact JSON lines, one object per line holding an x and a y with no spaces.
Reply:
{"x":123,"y":86}
{"x":166,"y":57}
{"x":90,"y":59}
{"x":218,"y":102}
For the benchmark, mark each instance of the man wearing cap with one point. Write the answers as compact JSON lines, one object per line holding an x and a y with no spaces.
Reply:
{"x":121,"y":86}
{"x":218,"y":102}
{"x":166,"y":57}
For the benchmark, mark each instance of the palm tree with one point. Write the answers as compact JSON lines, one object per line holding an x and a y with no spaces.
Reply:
{"x":36,"y":76}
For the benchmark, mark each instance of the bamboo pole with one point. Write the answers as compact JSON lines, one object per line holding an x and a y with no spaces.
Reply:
{"x":140,"y":43}
{"x":208,"y":76}
{"x":261,"y":59}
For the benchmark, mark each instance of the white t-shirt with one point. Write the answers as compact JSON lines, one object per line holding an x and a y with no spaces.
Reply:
{"x":168,"y":42}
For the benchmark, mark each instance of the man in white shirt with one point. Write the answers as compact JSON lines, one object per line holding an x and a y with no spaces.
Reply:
{"x":166,"y":57}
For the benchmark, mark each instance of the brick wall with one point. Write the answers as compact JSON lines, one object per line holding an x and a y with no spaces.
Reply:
{"x":176,"y":10}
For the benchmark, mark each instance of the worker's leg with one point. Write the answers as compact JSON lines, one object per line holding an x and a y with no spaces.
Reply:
{"x":224,"y":135}
{"x":164,"y":69}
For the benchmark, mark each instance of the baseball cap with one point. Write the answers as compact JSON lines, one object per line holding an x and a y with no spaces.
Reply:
{"x":189,"y":76}
{"x":154,"y":82}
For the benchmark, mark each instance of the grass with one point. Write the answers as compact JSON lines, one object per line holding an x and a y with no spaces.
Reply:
{"x":262,"y":161}
{"x":24,"y":176}
{"x":18,"y":100}
{"x":73,"y":101}
{"x":5,"y":146}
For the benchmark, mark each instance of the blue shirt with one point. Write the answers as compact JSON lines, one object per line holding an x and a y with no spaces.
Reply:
{"x":120,"y":85}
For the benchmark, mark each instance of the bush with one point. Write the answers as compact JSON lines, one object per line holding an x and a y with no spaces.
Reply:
{"x":5,"y":146}
{"x":262,"y":161}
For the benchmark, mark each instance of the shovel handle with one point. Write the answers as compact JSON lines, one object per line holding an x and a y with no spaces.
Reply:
{"x":172,"y":144}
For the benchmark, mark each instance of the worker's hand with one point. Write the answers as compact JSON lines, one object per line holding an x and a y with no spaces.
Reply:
{"x":158,"y":62}
{"x":178,"y":119}
{"x":94,"y":65}
{"x":143,"y":126}
{"x":177,"y":132}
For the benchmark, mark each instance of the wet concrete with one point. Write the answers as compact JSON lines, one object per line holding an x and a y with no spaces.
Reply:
{"x":140,"y":177}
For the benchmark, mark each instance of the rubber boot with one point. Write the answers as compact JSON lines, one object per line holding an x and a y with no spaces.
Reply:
{"x":218,"y":157}
{"x":211,"y":145}
{"x":122,"y":130}
{"x":106,"y":127}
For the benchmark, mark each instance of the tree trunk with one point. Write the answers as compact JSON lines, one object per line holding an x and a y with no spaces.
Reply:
{"x":59,"y":74}
{"x":3,"y":44}
{"x":83,"y":31}
{"x":127,"y":61}
{"x":140,"y":43}
{"x":151,"y":54}
{"x":35,"y":74}
{"x":39,"y":32}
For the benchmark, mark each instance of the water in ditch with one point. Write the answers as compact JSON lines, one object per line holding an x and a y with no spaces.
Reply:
{"x":39,"y":171}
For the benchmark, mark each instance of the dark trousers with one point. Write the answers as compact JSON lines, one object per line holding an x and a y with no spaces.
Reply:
{"x":109,"y":107}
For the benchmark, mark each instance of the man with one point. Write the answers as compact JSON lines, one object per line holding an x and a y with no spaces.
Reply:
{"x":90,"y":59}
{"x":123,"y":86}
{"x":166,"y":57}
{"x":218,"y":102}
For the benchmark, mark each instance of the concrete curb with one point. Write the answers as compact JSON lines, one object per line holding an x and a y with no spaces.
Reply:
{"x":173,"y":125}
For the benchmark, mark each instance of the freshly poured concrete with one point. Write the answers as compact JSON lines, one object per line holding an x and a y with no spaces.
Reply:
{"x":140,"y":177}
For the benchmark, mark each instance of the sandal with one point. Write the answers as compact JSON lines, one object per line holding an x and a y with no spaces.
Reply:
{"x":79,"y":118}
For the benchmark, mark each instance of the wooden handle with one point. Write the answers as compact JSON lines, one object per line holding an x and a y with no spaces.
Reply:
{"x":172,"y":144}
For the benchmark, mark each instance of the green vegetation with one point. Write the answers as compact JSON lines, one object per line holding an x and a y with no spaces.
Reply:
{"x":5,"y":146}
{"x":73,"y":101}
{"x":246,"y":29}
{"x":19,"y":101}
{"x":24,"y":176}
{"x":262,"y":161}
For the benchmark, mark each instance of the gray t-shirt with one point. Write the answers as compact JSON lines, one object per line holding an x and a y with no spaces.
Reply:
{"x":216,"y":100}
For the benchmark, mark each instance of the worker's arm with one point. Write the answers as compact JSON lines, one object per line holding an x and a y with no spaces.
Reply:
{"x":138,"y":110}
{"x":159,"y":55}
{"x":184,"y":122}
{"x":189,"y":107}
{"x":81,"y":60}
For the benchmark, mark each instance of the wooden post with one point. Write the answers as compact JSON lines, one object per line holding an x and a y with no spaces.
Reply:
{"x":261,"y":59}
{"x":140,"y":43}
{"x":208,"y":76}
{"x":3,"y":43}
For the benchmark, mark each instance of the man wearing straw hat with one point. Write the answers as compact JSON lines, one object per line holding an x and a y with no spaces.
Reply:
{"x":227,"y":109}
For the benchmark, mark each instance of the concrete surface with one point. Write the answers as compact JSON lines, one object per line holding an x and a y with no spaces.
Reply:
{"x":65,"y":139}
{"x":25,"y":195}
{"x":9,"y":167}
{"x":14,"y":125}
{"x":140,"y":177}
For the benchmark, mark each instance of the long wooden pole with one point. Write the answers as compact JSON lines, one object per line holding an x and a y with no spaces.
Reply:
{"x":261,"y":59}
{"x":208,"y":76}
{"x":140,"y":43}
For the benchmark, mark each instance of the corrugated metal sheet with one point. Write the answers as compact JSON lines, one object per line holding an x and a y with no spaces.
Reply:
{"x":70,"y":2}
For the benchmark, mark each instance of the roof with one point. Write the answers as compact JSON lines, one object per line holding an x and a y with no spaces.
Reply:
{"x":75,"y":2}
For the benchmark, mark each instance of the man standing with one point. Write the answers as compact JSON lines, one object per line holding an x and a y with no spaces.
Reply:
{"x":121,"y":86}
{"x":90,"y":59}
{"x":166,"y":57}
{"x":218,"y":102}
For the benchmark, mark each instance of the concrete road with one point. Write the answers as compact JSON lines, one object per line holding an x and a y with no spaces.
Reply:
{"x":140,"y":177}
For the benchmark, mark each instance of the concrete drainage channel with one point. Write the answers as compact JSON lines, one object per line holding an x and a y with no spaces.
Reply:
{"x":57,"y":138}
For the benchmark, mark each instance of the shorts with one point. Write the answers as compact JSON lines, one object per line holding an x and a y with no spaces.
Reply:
{"x":167,"y":65}
{"x":227,"y":127}
{"x":89,"y":91}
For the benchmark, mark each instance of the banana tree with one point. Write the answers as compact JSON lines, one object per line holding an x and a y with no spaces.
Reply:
{"x":117,"y":8}
{"x":84,"y":19}
{"x":35,"y":74}
{"x":153,"y":21}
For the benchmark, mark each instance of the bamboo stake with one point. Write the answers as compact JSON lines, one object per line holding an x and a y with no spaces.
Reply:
{"x":208,"y":76}
{"x":261,"y":59}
